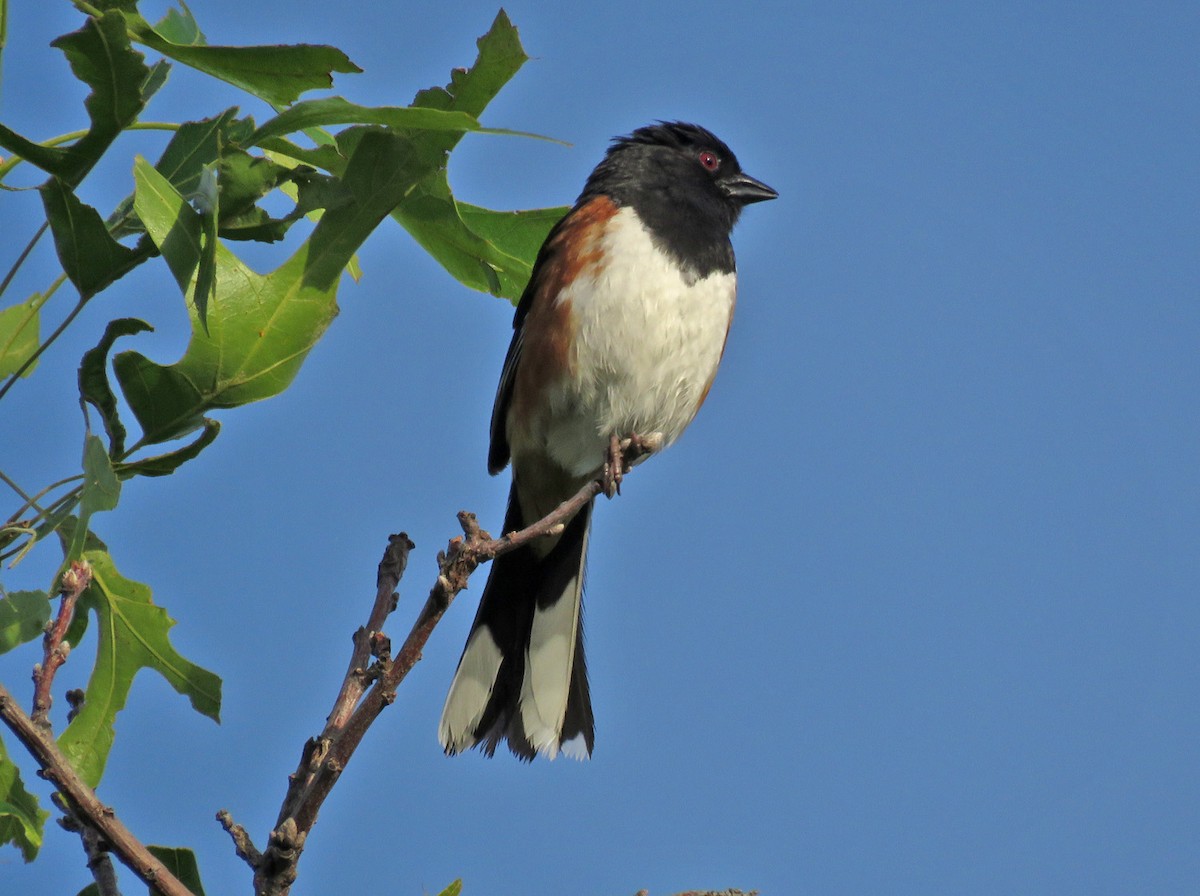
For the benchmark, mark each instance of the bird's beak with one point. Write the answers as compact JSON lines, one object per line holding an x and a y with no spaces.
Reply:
{"x":746,"y":189}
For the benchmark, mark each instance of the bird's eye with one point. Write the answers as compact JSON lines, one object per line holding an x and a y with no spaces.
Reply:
{"x":710,"y":160}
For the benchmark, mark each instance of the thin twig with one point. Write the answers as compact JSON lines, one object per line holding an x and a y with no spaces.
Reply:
{"x":323,"y":758}
{"x":100,"y":862}
{"x":84,"y":804}
{"x":242,"y":843}
{"x":29,"y":247}
{"x":50,"y":340}
{"x":55,"y":650}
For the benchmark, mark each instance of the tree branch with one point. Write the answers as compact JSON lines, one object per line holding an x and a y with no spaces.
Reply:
{"x":55,"y":650}
{"x":83,"y":802}
{"x":99,"y":860}
{"x":367,"y":689}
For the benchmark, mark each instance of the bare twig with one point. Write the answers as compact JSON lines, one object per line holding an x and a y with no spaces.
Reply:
{"x":100,"y":862}
{"x":367,"y":689}
{"x":242,"y":843}
{"x":83,"y":802}
{"x":55,"y":650}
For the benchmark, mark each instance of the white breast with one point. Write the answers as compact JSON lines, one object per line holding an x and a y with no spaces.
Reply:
{"x":646,"y":346}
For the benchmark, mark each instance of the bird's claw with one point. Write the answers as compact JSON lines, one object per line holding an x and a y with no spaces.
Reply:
{"x":623,"y":455}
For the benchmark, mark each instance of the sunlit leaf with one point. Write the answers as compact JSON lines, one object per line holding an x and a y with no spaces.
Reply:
{"x":277,"y":74}
{"x":22,"y":820}
{"x":179,"y":27}
{"x":174,"y":225}
{"x":431,"y":214}
{"x":133,"y":635}
{"x":23,"y":614}
{"x":182,"y":864}
{"x":194,"y":146}
{"x":336,"y":110}
{"x":20,"y":334}
{"x":260,"y":328}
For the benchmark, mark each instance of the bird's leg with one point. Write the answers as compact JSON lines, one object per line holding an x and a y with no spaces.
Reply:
{"x":614,"y":467}
{"x":625,"y":454}
{"x":636,"y":449}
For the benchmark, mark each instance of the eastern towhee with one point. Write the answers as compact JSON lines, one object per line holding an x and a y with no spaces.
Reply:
{"x":618,"y":334}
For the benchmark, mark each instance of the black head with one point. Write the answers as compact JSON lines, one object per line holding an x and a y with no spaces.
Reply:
{"x":685,"y":184}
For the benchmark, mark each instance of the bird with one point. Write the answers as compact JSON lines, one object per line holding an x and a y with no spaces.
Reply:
{"x":617,"y":335}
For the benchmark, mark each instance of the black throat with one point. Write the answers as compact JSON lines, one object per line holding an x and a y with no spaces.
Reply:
{"x":690,"y":223}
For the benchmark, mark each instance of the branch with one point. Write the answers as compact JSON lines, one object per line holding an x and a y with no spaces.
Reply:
{"x":98,"y":859}
{"x":55,"y":650}
{"x":83,"y":802}
{"x":367,"y":689}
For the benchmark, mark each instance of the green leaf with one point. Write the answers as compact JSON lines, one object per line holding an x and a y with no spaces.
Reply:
{"x":23,"y":616}
{"x":173,"y":224}
{"x":244,"y":179}
{"x":194,"y":146}
{"x":336,"y":110}
{"x":209,"y":201}
{"x":20,"y":334}
{"x":454,"y":889}
{"x":22,"y":820}
{"x":159,"y":72}
{"x":431,"y":214}
{"x":277,"y":74}
{"x":3,"y":25}
{"x":325,"y":156}
{"x":101,"y":488}
{"x":166,"y":464}
{"x":470,"y":90}
{"x":181,"y":863}
{"x":179,"y":27}
{"x":518,"y":234}
{"x":101,"y":57}
{"x":94,"y":387}
{"x":436,"y":221}
{"x":91,"y":258}
{"x":261,"y":328}
{"x":133,"y":635}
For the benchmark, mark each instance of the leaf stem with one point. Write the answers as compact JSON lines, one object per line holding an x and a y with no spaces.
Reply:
{"x":9,"y":164}
{"x":12,"y":272}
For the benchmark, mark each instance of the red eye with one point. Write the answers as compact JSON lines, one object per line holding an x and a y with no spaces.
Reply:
{"x":710,"y":160}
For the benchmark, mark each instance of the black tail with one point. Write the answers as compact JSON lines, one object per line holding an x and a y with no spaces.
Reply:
{"x":522,"y":676}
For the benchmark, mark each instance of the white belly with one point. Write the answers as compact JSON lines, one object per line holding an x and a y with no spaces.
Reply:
{"x":646,"y":347}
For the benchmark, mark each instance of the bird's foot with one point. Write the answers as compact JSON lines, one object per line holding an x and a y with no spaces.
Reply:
{"x":614,"y":468}
{"x":623,"y":455}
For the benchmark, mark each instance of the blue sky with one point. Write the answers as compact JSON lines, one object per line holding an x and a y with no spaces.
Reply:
{"x":912,"y":608}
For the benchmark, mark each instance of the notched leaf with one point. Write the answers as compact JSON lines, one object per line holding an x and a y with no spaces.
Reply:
{"x":94,"y":387}
{"x":22,"y":819}
{"x":182,"y":864}
{"x":90,"y":257}
{"x":133,"y":635}
{"x":23,"y":614}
